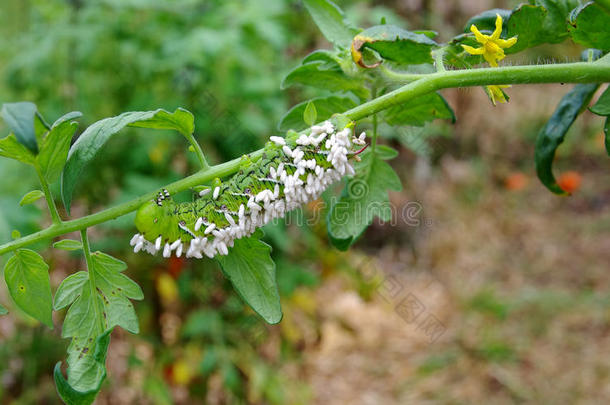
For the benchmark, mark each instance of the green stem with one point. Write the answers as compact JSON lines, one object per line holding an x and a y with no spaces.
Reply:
{"x":49,"y":197}
{"x":391,"y":75}
{"x":197,"y":149}
{"x":374,"y":137}
{"x":92,"y":284}
{"x":581,"y":72}
{"x":438,"y":59}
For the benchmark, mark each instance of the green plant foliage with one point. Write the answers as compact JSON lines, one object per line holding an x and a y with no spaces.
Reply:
{"x":99,"y":301}
{"x":324,"y":75}
{"x":27,"y":278}
{"x":486,"y":21}
{"x":20,"y":119}
{"x":602,"y":106}
{"x":589,"y":26}
{"x":68,"y":244}
{"x":69,"y":289}
{"x":55,"y":147}
{"x":96,"y":136}
{"x":331,"y":21}
{"x":31,"y":197}
{"x":364,"y":197}
{"x":419,"y":110}
{"x":553,"y":133}
{"x":252,"y":272}
{"x":325,"y":108}
{"x":526,"y":22}
{"x":96,"y":375}
{"x":394,"y":44}
{"x":11,"y":148}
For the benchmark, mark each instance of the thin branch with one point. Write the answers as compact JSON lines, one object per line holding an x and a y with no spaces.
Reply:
{"x":581,"y":72}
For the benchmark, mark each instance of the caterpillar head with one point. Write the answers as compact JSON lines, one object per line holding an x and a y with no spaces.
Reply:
{"x":155,"y":218}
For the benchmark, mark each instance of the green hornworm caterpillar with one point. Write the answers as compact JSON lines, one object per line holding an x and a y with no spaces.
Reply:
{"x":293,"y":171}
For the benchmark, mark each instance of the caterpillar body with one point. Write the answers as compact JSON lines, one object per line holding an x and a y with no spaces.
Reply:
{"x":292,"y":171}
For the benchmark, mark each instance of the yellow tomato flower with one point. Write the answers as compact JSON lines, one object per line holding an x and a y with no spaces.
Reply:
{"x":493,"y":47}
{"x":496,"y":93}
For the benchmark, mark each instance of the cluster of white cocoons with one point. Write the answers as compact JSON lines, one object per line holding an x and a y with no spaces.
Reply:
{"x":269,"y":204}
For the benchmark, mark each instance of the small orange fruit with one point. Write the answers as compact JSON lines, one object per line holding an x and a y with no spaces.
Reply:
{"x":570,"y":181}
{"x":515,"y":181}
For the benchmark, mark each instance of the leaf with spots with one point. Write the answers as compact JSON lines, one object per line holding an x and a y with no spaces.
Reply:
{"x":100,"y":301}
{"x":27,"y":279}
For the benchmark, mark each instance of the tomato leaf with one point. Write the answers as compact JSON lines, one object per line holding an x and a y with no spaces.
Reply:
{"x":20,"y":119}
{"x":327,"y":76}
{"x":589,"y":26}
{"x":11,"y":148}
{"x":364,"y":197}
{"x":95,"y":136}
{"x":419,"y":110}
{"x":68,"y":244}
{"x":602,"y":106}
{"x":553,"y":133}
{"x":325,"y":108}
{"x":97,"y":363}
{"x":251,"y":270}
{"x":55,"y":146}
{"x":31,"y":197}
{"x":331,"y":21}
{"x":27,"y":279}
{"x":99,"y":301}
{"x":394,"y":44}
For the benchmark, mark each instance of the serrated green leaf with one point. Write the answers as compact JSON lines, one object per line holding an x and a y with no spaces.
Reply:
{"x":101,"y":304}
{"x":331,"y":21}
{"x":251,"y":270}
{"x":322,"y":55}
{"x":31,"y":197}
{"x":96,"y":362}
{"x":3,"y":311}
{"x":27,"y":279}
{"x":326,"y":76}
{"x":589,"y":26}
{"x":394,"y":44}
{"x":109,"y":278}
{"x":553,"y":133}
{"x":364,"y":197}
{"x":486,"y":21}
{"x":19,"y":117}
{"x":419,"y":110}
{"x":602,"y":106}
{"x":555,"y":28}
{"x":526,"y":22}
{"x":310,"y":114}
{"x":109,"y":262}
{"x":325,"y":108}
{"x":11,"y":148}
{"x":95,"y":136}
{"x":69,"y":289}
{"x":54,"y":149}
{"x":68,"y":244}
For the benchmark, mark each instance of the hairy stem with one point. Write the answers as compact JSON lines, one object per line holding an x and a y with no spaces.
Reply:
{"x":581,"y":72}
{"x":49,"y":197}
{"x":197,"y":149}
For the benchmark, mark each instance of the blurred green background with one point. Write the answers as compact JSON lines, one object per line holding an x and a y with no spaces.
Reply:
{"x":486,"y":287}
